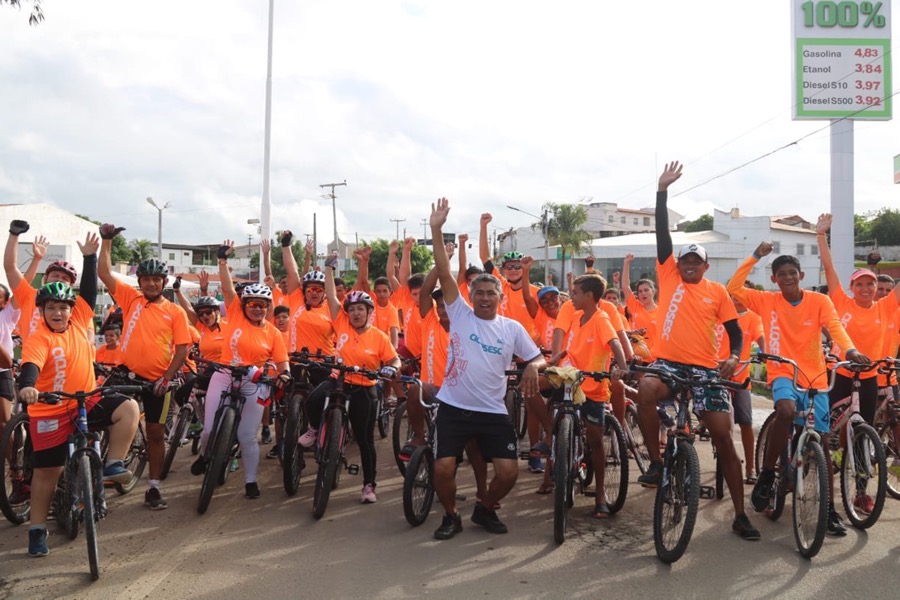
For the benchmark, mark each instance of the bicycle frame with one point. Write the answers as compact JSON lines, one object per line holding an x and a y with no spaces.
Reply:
{"x":231,"y":397}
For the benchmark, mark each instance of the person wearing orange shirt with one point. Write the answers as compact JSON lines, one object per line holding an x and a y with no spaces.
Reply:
{"x":250,"y":341}
{"x":406,"y":287}
{"x":386,"y":316}
{"x":362,"y":345}
{"x":110,"y":353}
{"x":692,"y":307}
{"x":280,"y":293}
{"x":59,"y":357}
{"x":155,"y":340}
{"x":642,"y":305}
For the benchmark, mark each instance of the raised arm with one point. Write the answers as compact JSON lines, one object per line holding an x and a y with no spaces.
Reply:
{"x":426,"y":304}
{"x":309,"y":251}
{"x":406,"y":260}
{"x":670,"y":175}
{"x":362,"y":269}
{"x":266,"y":258}
{"x":108,"y":232}
{"x":439,"y":212}
{"x":391,"y":265}
{"x":831,"y":274}
{"x":183,"y":301}
{"x":531,"y":302}
{"x":11,"y":255}
{"x":87,"y":288}
{"x":627,"y":294}
{"x":38,"y":250}
{"x":463,"y":261}
{"x":203,"y":280}
{"x":225,"y":281}
{"x":294,"y":280}
{"x":330,"y":293}
{"x":484,"y":250}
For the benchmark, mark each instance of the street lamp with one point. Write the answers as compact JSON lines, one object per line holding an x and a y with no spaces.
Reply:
{"x":159,"y":228}
{"x":543,"y":219}
{"x":333,"y":209}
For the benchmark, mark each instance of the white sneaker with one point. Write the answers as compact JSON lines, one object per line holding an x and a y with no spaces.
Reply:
{"x":368,"y":494}
{"x":309,"y":438}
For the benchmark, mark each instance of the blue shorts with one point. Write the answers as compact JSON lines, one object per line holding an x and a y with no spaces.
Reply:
{"x":783,"y":389}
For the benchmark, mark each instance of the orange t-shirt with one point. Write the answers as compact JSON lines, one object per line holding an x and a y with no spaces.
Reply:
{"x":412,"y":319}
{"x":752,"y":328}
{"x":211,"y":341}
{"x":464,"y":292}
{"x":544,"y":325}
{"x":891,"y":343}
{"x":151,"y":330}
{"x":434,"y":355}
{"x":589,"y":350}
{"x":311,"y":329}
{"x":386,"y":317}
{"x":370,"y":350}
{"x":249,"y":344}
{"x":513,"y":305}
{"x":866,"y":326}
{"x":30,"y":317}
{"x":793,"y":332}
{"x":110,"y":358}
{"x":641,"y":318}
{"x":690,"y":312}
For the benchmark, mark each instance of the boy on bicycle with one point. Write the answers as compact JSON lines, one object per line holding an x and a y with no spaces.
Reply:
{"x":792,"y":321}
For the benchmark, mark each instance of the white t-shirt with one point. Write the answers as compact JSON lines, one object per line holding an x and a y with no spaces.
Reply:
{"x":9,"y":318}
{"x":478,"y":354}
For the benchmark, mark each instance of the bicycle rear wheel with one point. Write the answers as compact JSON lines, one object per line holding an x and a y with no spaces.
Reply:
{"x":762,"y":438}
{"x":89,"y":516}
{"x":864,"y":482}
{"x":892,"y":459}
{"x":176,"y":438}
{"x":401,"y":434}
{"x":615,"y":478}
{"x":328,"y":464}
{"x":382,"y":413}
{"x":520,"y":418}
{"x":677,"y":501}
{"x":418,"y":486}
{"x":810,"y":510}
{"x":135,"y":460}
{"x":291,"y":451}
{"x":218,"y":462}
{"x":16,"y":469}
{"x":636,"y":439}
{"x":562,"y":477}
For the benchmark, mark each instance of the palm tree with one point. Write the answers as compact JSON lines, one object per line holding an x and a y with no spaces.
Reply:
{"x":141,"y":250}
{"x":565,"y":224}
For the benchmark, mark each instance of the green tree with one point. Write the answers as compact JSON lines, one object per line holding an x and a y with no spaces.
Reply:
{"x":278,"y":270}
{"x":884,"y":229}
{"x":420,"y":256}
{"x":703,"y":223}
{"x":861,"y":229}
{"x":565,"y":224}
{"x":121,"y":253}
{"x":36,"y":16}
{"x":141,"y":250}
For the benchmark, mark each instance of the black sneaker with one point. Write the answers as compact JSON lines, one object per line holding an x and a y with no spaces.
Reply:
{"x":836,"y":525}
{"x":651,"y":478}
{"x":487,"y":518}
{"x":199,"y":466}
{"x":762,"y":490}
{"x":741,"y":526}
{"x":450,"y":526}
{"x":251,"y":490}
{"x":266,"y":436}
{"x":274,"y":452}
{"x":154,"y":500}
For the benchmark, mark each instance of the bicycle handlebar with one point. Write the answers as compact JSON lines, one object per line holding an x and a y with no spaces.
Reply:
{"x":304,"y":356}
{"x":761,"y":357}
{"x":57,"y":397}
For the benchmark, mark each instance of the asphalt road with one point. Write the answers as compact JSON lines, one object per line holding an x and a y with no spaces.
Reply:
{"x":273,"y":548}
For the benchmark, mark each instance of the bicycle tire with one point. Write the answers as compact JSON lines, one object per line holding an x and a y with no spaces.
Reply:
{"x":418,"y":486}
{"x":636,"y":439}
{"x":810,"y":515}
{"x":329,"y":464}
{"x":135,"y":461}
{"x":382,"y":414}
{"x":401,"y":434}
{"x":615,"y":482}
{"x":562,"y":478}
{"x":221,"y":456}
{"x":521,"y":415}
{"x":762,"y":439}
{"x":16,"y":465}
{"x":677,"y":502}
{"x":88,"y":513}
{"x":291,"y":450}
{"x":780,"y":489}
{"x":69,"y":490}
{"x":720,"y":476}
{"x":179,"y":429}
{"x":870,"y":464}
{"x":891,"y":454}
{"x":585,"y":471}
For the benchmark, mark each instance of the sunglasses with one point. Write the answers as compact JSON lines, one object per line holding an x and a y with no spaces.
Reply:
{"x":205,"y":312}
{"x":513,"y":267}
{"x":257,"y":304}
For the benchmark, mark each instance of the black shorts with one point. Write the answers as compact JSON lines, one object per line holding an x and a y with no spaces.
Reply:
{"x":7,"y":387}
{"x":155,"y":408}
{"x":99,"y":417}
{"x":494,"y":433}
{"x":594,"y":412}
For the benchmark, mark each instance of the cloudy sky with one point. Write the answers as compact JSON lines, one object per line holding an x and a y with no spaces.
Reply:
{"x":486,"y":103}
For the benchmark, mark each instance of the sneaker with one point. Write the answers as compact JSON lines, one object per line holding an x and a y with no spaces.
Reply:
{"x":487,"y":518}
{"x":836,"y":526}
{"x":741,"y":526}
{"x":266,"y":436}
{"x":368,"y":494}
{"x":450,"y":526}
{"x":196,"y":428}
{"x":651,"y":478}
{"x":37,"y":542}
{"x":535,"y":465}
{"x":116,"y":472}
{"x":406,"y":452}
{"x":234,"y":465}
{"x":274,"y":452}
{"x":154,"y":500}
{"x":21,"y":492}
{"x":762,"y":491}
{"x":251,"y":490}
{"x":309,"y":437}
{"x":199,"y":466}
{"x":864,"y":503}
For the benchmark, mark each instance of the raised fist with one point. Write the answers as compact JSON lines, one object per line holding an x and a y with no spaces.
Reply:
{"x":18,"y":227}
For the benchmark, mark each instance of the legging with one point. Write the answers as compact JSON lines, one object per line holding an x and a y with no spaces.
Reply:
{"x":250,"y":418}
{"x":363,"y":401}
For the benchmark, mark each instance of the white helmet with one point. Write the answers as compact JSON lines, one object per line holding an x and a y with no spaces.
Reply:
{"x":314,"y":277}
{"x":257,"y":290}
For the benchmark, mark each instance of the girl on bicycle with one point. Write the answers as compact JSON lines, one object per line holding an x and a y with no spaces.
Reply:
{"x":250,"y":340}
{"x":361,"y":345}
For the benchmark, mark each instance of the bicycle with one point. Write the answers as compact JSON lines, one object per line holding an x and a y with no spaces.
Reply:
{"x":187,"y":425}
{"x":292,"y":462}
{"x":801,"y":469}
{"x":634,"y":438}
{"x":138,"y":455}
{"x":80,"y":496}
{"x":516,"y":405}
{"x":678,"y":493}
{"x":16,"y":468}
{"x":418,"y":478}
{"x":887,"y":418}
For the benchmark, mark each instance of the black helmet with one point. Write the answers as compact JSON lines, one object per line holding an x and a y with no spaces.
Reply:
{"x":206,"y":302}
{"x":151,"y":267}
{"x":56,"y":292}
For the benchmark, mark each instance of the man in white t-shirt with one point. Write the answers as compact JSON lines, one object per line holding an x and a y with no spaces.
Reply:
{"x":482,"y":346}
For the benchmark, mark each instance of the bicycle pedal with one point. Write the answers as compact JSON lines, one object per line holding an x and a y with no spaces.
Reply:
{"x":353,"y":469}
{"x":707,"y":492}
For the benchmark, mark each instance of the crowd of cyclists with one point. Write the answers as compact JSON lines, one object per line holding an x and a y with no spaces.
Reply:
{"x":460,"y":332}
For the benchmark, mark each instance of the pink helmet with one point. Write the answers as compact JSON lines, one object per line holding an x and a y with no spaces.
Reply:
{"x":358,"y":297}
{"x":66,"y":267}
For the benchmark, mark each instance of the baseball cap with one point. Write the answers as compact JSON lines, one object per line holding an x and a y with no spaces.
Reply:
{"x":863,"y":273}
{"x":547,"y":289}
{"x":693,"y":249}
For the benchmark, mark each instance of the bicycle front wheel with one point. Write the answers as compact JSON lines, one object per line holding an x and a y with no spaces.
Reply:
{"x":176,"y":438}
{"x":16,"y":469}
{"x":520,"y":415}
{"x":326,"y":480}
{"x":616,"y":473}
{"x":677,"y":501}
{"x":636,"y":439}
{"x":382,"y":414}
{"x":762,"y":439}
{"x":291,"y":451}
{"x":864,"y":482}
{"x":892,"y":459}
{"x":220,"y":449}
{"x":810,"y":510}
{"x":562,"y":477}
{"x":418,"y":486}
{"x":135,"y":460}
{"x":401,"y":434}
{"x":88,"y":514}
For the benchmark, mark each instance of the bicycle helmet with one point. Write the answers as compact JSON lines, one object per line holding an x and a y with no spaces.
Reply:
{"x":206,"y":302}
{"x":358,"y":297}
{"x":314,"y":277}
{"x":65,"y":267}
{"x":56,"y":292}
{"x":256,"y":290}
{"x":152,"y":267}
{"x":511,"y":256}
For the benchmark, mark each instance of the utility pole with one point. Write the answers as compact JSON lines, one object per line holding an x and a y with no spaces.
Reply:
{"x":315,"y":258}
{"x":397,"y":221}
{"x":334,"y":209}
{"x":424,"y":231}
